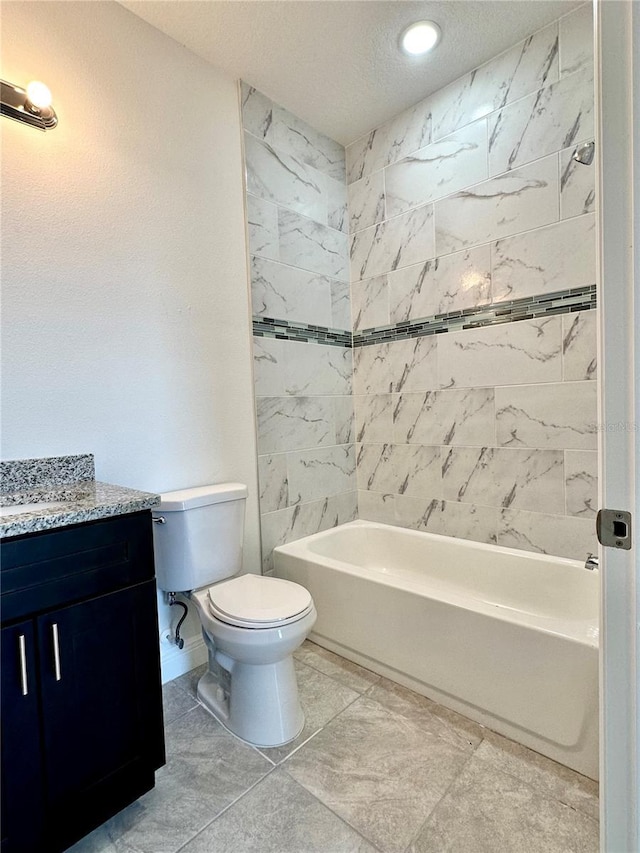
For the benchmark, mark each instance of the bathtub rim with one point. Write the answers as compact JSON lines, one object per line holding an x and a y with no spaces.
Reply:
{"x":582,"y":631}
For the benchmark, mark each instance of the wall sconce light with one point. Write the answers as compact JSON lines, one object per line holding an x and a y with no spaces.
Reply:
{"x":31,"y":106}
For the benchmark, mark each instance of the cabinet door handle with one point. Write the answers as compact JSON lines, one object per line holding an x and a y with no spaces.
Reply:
{"x":23,"y":665}
{"x":56,"y":651}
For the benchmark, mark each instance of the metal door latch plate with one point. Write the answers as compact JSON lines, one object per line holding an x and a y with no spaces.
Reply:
{"x":613,"y":527}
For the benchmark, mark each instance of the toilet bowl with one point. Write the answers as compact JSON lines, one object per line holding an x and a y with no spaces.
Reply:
{"x":251,"y":686}
{"x":251,"y":624}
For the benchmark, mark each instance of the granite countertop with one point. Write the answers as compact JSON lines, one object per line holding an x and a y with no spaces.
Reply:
{"x":58,"y":492}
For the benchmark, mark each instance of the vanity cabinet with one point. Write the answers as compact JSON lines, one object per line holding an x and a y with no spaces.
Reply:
{"x":82,"y":730}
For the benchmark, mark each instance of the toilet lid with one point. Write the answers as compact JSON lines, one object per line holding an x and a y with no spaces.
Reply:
{"x":257,"y":600}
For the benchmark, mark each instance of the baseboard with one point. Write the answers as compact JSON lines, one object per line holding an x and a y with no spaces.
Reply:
{"x":175,"y":661}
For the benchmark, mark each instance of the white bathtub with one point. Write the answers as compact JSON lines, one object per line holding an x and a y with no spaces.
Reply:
{"x":506,"y":637}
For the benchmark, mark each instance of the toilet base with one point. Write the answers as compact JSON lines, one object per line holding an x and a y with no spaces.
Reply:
{"x":256,"y":702}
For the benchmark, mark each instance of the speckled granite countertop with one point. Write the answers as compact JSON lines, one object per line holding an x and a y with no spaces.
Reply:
{"x":40,"y":494}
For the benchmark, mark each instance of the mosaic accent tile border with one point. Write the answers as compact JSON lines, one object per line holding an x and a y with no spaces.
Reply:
{"x":493,"y":314}
{"x":267,"y":327}
{"x":543,"y":305}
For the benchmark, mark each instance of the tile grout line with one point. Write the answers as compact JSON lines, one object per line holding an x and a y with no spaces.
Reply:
{"x":539,"y":790}
{"x":334,"y":813}
{"x":226,"y":808}
{"x":446,"y":791}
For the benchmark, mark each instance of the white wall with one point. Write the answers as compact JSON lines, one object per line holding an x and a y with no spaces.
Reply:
{"x":124,"y":283}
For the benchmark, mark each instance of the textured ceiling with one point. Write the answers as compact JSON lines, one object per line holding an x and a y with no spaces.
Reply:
{"x":335,"y":63}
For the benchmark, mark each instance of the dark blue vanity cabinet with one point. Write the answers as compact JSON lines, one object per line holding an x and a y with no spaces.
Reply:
{"x":82,"y":730}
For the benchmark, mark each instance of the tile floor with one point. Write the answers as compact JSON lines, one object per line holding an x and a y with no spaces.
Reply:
{"x":377,"y":768}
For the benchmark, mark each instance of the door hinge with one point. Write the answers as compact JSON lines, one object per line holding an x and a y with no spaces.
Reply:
{"x":613,"y":527}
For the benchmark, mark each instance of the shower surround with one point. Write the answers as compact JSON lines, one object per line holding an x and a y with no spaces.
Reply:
{"x":299,"y":265}
{"x":472,"y":271}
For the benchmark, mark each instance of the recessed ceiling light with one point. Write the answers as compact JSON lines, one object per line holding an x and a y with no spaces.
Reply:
{"x":420,"y":38}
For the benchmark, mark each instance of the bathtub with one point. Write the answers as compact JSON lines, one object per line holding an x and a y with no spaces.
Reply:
{"x":508,"y":638}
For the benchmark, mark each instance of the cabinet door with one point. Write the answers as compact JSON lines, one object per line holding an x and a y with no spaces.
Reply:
{"x":22,"y":792}
{"x":102,"y":710}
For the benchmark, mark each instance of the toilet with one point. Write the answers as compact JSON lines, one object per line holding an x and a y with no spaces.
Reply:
{"x":251,"y":624}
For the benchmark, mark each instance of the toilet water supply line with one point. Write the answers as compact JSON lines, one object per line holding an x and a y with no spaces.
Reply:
{"x":177,"y":639}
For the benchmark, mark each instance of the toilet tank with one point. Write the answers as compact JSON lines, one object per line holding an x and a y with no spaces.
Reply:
{"x":200,"y":540}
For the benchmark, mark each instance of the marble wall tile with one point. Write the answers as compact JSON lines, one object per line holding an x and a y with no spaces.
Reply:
{"x":560,"y":535}
{"x":340,"y":305}
{"x":555,"y":415}
{"x":577,"y":185}
{"x":262,"y":222}
{"x":579,"y":343}
{"x":286,"y":525}
{"x":517,"y":201}
{"x":557,"y":257}
{"x":504,"y":477}
{"x":373,"y":372}
{"x":337,"y":211}
{"x":374,"y":418}
{"x":257,"y":111}
{"x":277,"y":177}
{"x":287,"y":293}
{"x":292,"y":368}
{"x":399,"y":242}
{"x":450,"y":283}
{"x":292,"y":423}
{"x":576,"y":41}
{"x":311,"y":246}
{"x":370,"y":303}
{"x":401,"y":469}
{"x":312,"y":369}
{"x":398,"y":137}
{"x":465,"y":417}
{"x":510,"y":354}
{"x":551,"y":119}
{"x":374,"y":506}
{"x":517,"y":72}
{"x":448,"y":518}
{"x":439,"y":169}
{"x":272,"y":479}
{"x":344,"y":415}
{"x":321,"y":472}
{"x":581,"y":482}
{"x":268,"y":367}
{"x":268,"y":121}
{"x":414,"y":364}
{"x":366,"y":202}
{"x":408,"y":365}
{"x":308,"y":145}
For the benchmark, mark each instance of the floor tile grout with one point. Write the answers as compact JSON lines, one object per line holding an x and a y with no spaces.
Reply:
{"x":340,"y":817}
{"x":333,"y":812}
{"x":226,"y":809}
{"x":293,"y":751}
{"x":537,"y":789}
{"x":396,"y":705}
{"x":446,"y":791}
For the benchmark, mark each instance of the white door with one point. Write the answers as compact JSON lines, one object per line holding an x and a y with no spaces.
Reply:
{"x":618,"y":145}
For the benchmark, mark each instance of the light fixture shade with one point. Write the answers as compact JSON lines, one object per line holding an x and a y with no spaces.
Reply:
{"x":419,"y":38}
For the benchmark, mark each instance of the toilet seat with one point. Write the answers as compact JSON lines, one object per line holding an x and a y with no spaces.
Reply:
{"x":254,"y":601}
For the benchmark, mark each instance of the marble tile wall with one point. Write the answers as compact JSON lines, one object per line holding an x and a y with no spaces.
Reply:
{"x":470,"y":199}
{"x":299,"y":268}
